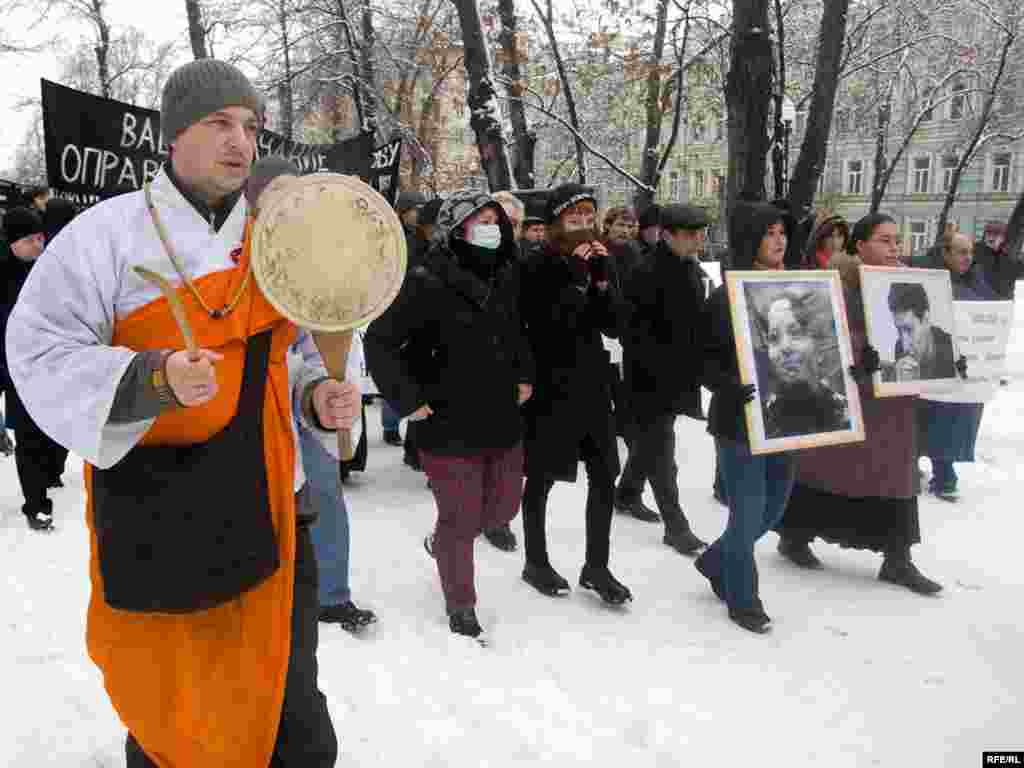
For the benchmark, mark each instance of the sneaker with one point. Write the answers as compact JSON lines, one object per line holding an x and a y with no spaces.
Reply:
{"x":751,"y":619}
{"x":502,"y":538}
{"x":600,"y":580}
{"x":348,"y":616}
{"x":393,"y":438}
{"x":946,"y":490}
{"x":545,"y":580}
{"x":799,"y":553}
{"x":684,"y":541}
{"x":637,"y":509}
{"x":463,"y":622}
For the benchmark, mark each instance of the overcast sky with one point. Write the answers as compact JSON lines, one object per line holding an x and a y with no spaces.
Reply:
{"x":162,"y":21}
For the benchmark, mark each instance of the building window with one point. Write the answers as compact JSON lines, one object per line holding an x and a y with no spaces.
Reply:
{"x":673,"y":186}
{"x":949,"y":164}
{"x":698,"y":183}
{"x":699,"y":131}
{"x":922,"y":175}
{"x":926,"y":96}
{"x":958,"y":104}
{"x":855,"y":177}
{"x":918,"y":236}
{"x":716,"y":183}
{"x":1001,"y":172}
{"x":1007,"y":105}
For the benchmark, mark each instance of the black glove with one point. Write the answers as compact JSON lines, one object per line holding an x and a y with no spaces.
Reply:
{"x":598,"y":269}
{"x":961,"y":366}
{"x":870,"y":363}
{"x":740,"y":392}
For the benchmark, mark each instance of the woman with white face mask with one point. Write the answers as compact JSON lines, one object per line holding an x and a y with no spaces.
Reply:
{"x":451,"y":356}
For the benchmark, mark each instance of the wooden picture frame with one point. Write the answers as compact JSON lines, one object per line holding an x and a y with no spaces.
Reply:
{"x":925,"y":319}
{"x":793,"y":344}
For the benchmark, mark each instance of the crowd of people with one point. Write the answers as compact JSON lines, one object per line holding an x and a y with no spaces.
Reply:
{"x":526,"y":340}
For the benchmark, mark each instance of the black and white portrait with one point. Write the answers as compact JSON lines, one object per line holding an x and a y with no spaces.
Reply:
{"x":792,"y":337}
{"x":909,"y":315}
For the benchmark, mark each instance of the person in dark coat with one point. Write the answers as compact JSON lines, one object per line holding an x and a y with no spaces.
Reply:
{"x":662,"y":368}
{"x":949,"y":430}
{"x":38,"y":458}
{"x":756,"y":486}
{"x":650,"y":228}
{"x":1001,"y":269}
{"x":570,"y":298}
{"x":59,"y":213}
{"x":535,"y":225}
{"x":417,"y":243}
{"x":450,"y":353}
{"x":861,"y":495}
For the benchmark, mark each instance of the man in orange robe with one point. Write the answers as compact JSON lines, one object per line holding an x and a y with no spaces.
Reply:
{"x":203,"y":610}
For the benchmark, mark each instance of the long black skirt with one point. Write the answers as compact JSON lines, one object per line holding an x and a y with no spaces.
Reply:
{"x":874,"y":524}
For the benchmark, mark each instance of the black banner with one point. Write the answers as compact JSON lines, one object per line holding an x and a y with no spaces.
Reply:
{"x":384,"y":169}
{"x":97,"y":148}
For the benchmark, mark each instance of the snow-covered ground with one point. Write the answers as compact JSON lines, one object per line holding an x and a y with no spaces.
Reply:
{"x":855,"y":673}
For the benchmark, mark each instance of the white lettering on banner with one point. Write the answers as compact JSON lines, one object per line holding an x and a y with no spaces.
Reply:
{"x":385,"y":156}
{"x":147,"y":136}
{"x":982,"y":334}
{"x":128,"y":177}
{"x":150,"y":168}
{"x":70,"y":177}
{"x":86,"y":154}
{"x":110,"y":162}
{"x":128,"y":123}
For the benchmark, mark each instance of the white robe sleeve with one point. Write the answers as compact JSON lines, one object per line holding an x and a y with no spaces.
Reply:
{"x":59,"y":344}
{"x":312,"y":368}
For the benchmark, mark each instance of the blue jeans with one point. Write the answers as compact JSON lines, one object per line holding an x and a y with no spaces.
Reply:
{"x":757,"y":489}
{"x":330,"y":531}
{"x":389,"y":417}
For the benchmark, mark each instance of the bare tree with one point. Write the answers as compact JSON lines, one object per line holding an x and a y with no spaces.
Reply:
{"x":485,"y":116}
{"x":650,"y":167}
{"x":748,"y":93}
{"x":196,"y":31}
{"x":512,"y":61}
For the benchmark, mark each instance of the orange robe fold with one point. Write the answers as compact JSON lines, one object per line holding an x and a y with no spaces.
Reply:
{"x":204,"y":690}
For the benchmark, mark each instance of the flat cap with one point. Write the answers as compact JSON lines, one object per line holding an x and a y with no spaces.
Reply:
{"x":650,"y":217}
{"x":683,"y":217}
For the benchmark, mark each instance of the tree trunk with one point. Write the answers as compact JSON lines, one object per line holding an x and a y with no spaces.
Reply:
{"x":563,"y":78}
{"x":976,"y":141}
{"x":369,"y":67}
{"x":882,"y":174}
{"x":525,"y":140}
{"x":748,"y":93}
{"x":357,"y":87}
{"x":102,"y":48}
{"x":284,"y":90}
{"x":649,"y":166}
{"x":485,"y":117}
{"x":811,"y":162}
{"x":196,"y":33}
{"x":779,"y":95}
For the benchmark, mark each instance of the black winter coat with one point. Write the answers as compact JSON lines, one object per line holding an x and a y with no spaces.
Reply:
{"x":455,"y":342}
{"x":720,"y":372}
{"x":662,"y":351}
{"x":1001,"y":271}
{"x":565,"y":316}
{"x":13,"y":274}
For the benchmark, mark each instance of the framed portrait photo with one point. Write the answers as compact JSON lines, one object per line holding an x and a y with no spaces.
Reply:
{"x":793,"y":344}
{"x":910,"y":321}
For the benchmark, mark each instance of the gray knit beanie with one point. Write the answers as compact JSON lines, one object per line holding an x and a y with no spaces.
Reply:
{"x":200,"y":88}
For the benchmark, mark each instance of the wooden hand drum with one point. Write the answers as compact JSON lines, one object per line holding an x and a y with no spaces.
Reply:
{"x":328,"y":252}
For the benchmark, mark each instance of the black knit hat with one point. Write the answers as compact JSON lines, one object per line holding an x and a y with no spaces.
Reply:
{"x":534,"y":214}
{"x":566,"y":196}
{"x":21,"y":222}
{"x":200,"y":88}
{"x":428,"y":213}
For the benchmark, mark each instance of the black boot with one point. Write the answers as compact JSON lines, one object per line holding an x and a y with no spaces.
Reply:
{"x":600,"y":580}
{"x":348,"y":616}
{"x":545,"y":580}
{"x":704,"y":569}
{"x":798,"y":552}
{"x":683,"y":540}
{"x":393,"y":438}
{"x":502,"y":538}
{"x":463,"y":622}
{"x":897,"y":568}
{"x":637,"y":509}
{"x":40,"y":518}
{"x":751,"y":619}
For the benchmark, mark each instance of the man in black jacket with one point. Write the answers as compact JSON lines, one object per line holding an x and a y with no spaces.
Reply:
{"x":662,"y":363}
{"x":38,"y":458}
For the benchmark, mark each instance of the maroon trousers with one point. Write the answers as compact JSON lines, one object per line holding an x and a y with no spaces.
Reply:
{"x":473,"y":493}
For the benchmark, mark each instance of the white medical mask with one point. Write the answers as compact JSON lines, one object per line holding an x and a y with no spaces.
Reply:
{"x":486,"y":236}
